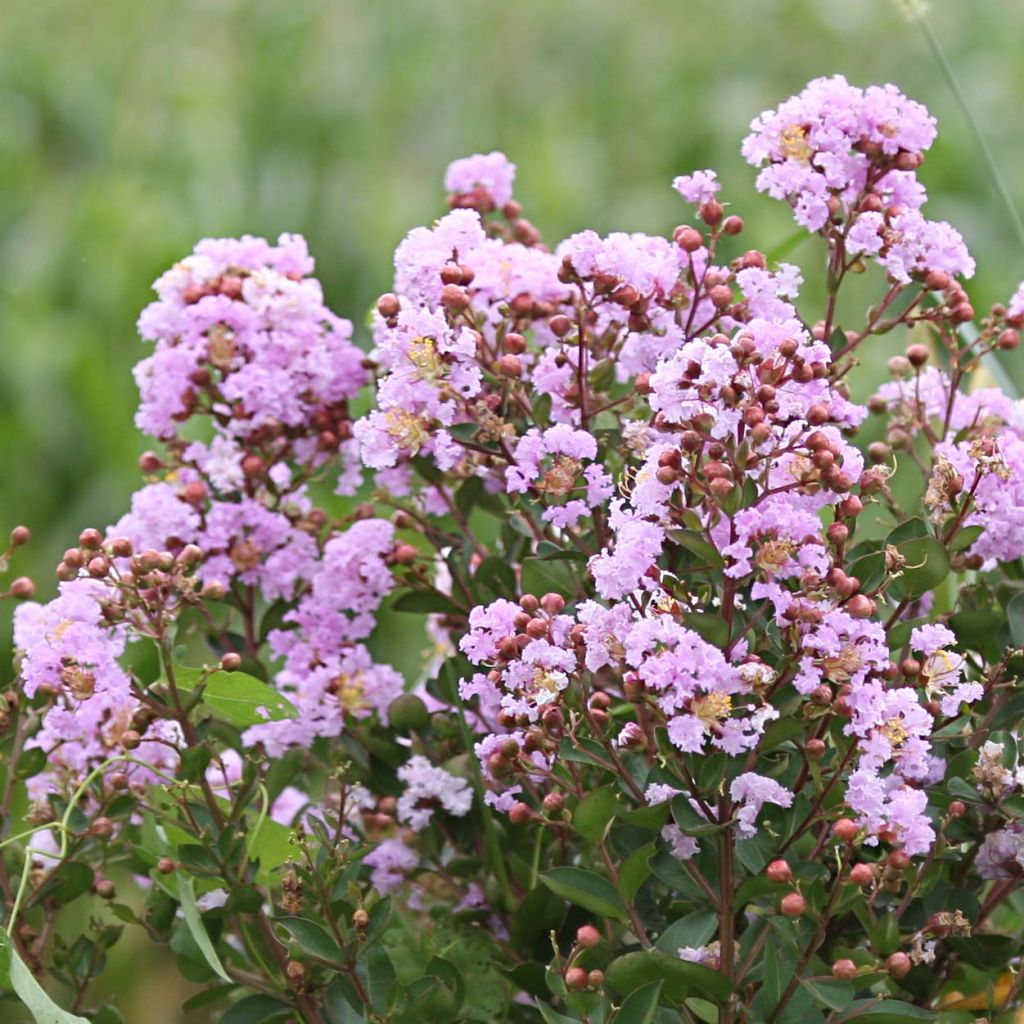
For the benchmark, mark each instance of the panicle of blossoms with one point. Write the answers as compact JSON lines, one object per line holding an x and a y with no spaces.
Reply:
{"x":426,"y":787}
{"x":844,"y":155}
{"x":243,"y":337}
{"x":327,"y":673}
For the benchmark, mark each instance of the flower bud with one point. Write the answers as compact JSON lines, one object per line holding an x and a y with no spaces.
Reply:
{"x":917,"y":355}
{"x":454,"y":297}
{"x":554,"y":803}
{"x":587,"y":936}
{"x":20,"y":535}
{"x":520,"y":813}
{"x":688,"y":239}
{"x":732,"y":225}
{"x":231,"y":662}
{"x":844,"y":970}
{"x":793,"y":904}
{"x":166,"y":866}
{"x":860,"y":606}
{"x":560,"y":325}
{"x":576,"y":978}
{"x":898,"y":860}
{"x":862,"y":874}
{"x":405,"y":554}
{"x":90,"y":539}
{"x":845,"y":830}
{"x":22,"y":588}
{"x":898,"y":964}
{"x":1009,"y":339}
{"x":815,"y":749}
{"x":553,"y":604}
{"x":510,"y":366}
{"x":779,"y":871}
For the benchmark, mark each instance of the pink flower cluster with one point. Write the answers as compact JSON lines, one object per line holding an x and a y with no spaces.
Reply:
{"x":243,"y":336}
{"x":843,"y":154}
{"x":327,"y":672}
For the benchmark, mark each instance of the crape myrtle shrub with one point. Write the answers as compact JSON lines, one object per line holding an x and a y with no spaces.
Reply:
{"x":716,"y":722}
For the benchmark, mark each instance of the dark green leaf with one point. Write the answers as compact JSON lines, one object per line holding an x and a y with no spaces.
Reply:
{"x":585,"y":889}
{"x":543,"y":576}
{"x":594,"y":813}
{"x":553,"y":1017}
{"x":633,"y":970}
{"x":311,"y":937}
{"x":256,"y":1009}
{"x":884,"y":1011}
{"x":836,"y":995}
{"x":635,"y":870}
{"x":697,"y":545}
{"x":640,"y":1006}
{"x":692,"y":930}
{"x":1015,"y":618}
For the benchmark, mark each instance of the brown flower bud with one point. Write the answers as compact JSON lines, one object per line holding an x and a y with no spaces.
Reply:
{"x":688,"y":239}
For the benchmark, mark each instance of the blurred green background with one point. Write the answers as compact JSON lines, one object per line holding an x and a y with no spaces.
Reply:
{"x":128,"y":130}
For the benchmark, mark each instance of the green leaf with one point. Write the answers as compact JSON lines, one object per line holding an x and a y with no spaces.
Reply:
{"x":207,"y":997}
{"x":694,"y":929}
{"x":884,"y":1011}
{"x":965,"y":537}
{"x":639,"y":1007}
{"x":712,"y":628}
{"x":910,"y":529}
{"x":235,"y":697}
{"x":594,"y":813}
{"x":255,"y":1009}
{"x":633,"y":970}
{"x":313,"y":939}
{"x":194,"y":922}
{"x":697,"y":545}
{"x":927,"y":566}
{"x":771,"y":973}
{"x":553,"y":1017}
{"x":635,"y":870}
{"x":1015,"y":617}
{"x":836,"y":995}
{"x":585,"y":889}
{"x":73,"y":878}
{"x":542,"y":576}
{"x":31,"y":762}
{"x":30,"y":992}
{"x":496,"y":575}
{"x":425,"y":602}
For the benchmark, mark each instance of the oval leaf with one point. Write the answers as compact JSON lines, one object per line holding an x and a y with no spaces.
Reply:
{"x":585,"y":889}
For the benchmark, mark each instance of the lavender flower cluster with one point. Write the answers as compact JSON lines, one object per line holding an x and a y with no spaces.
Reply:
{"x":622,"y":481}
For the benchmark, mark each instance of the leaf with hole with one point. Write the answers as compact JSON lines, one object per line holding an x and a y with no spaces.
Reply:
{"x":236,"y":697}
